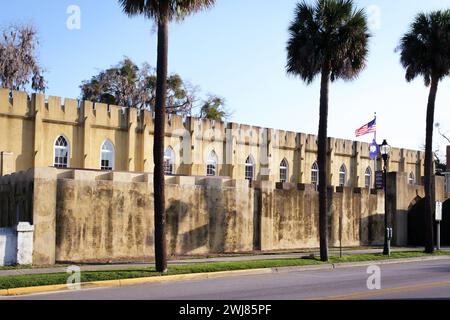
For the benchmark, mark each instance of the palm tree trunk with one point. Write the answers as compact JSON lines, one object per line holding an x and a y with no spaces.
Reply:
{"x":322,"y":151}
{"x":158,"y":146}
{"x":429,"y":174}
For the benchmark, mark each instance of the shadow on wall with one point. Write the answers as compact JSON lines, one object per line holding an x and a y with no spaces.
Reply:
{"x":257,"y":220}
{"x":177,"y":213}
{"x":375,"y":230}
{"x":24,"y":160}
{"x":16,"y":204}
{"x":217,"y":224}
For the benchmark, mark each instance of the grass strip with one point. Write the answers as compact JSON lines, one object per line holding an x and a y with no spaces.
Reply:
{"x":32,"y":280}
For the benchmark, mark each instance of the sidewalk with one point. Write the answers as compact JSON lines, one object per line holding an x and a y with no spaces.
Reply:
{"x":268,"y":256}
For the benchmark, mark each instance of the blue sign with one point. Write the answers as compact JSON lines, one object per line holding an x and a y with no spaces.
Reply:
{"x":374,"y":149}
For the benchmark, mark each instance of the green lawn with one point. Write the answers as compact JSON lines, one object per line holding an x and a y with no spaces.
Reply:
{"x":129,"y":273}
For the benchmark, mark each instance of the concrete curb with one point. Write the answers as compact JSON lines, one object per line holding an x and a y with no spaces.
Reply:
{"x":208,"y":275}
{"x":385,"y":262}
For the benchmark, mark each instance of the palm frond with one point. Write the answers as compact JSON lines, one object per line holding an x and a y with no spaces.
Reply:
{"x":425,"y":48}
{"x":332,"y":32}
{"x":156,"y":9}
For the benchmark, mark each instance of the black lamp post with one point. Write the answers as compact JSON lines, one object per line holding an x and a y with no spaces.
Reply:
{"x":385,"y":150}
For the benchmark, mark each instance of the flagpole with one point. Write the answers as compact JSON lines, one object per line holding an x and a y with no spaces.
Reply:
{"x":377,"y":127}
{"x":375,"y":160}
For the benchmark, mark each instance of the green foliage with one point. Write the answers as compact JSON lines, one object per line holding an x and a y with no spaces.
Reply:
{"x":19,"y":66}
{"x":125,"y":84}
{"x":118,"y":85}
{"x":425,"y":48}
{"x":156,"y":9}
{"x":332,"y":34}
{"x":213,"y":109}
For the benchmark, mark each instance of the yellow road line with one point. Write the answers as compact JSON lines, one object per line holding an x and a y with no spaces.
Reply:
{"x":382,"y":292}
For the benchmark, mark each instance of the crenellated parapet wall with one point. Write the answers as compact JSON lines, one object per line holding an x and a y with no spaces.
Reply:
{"x":31,"y":125}
{"x":15,"y":104}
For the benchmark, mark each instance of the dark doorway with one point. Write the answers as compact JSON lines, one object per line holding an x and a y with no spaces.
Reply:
{"x":416,"y":223}
{"x":445,"y":224}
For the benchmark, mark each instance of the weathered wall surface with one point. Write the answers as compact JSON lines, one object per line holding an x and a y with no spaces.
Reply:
{"x":215,"y":216}
{"x":290,"y":217}
{"x":101,"y":220}
{"x":88,"y":216}
{"x":295,"y":219}
{"x":98,"y":216}
{"x":402,"y":196}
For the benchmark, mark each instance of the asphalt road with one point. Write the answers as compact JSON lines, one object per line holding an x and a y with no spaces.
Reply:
{"x":418,"y":280}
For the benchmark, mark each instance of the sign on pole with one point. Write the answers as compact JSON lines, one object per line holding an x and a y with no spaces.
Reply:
{"x":379,"y":180}
{"x":438,"y":211}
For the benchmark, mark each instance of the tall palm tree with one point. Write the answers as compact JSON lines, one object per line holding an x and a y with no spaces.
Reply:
{"x":329,"y":38}
{"x":425,"y":51}
{"x":162,"y":12}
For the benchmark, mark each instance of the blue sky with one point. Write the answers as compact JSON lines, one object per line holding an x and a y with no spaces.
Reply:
{"x":237,"y":50}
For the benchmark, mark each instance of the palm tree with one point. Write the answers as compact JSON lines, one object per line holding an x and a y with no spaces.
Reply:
{"x":329,"y":38}
{"x":162,"y":12}
{"x":425,"y":51}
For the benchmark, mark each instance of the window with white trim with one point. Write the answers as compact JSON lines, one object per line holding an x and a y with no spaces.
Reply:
{"x":411,"y":179}
{"x":315,"y":174}
{"x":211,"y":164}
{"x":368,"y":178}
{"x":107,"y":156}
{"x":249,"y":169}
{"x":61,"y":153}
{"x":284,"y":171}
{"x":169,"y":161}
{"x":342,"y":176}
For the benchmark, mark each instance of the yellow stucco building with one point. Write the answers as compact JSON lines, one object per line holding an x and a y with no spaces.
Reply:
{"x":38,"y":132}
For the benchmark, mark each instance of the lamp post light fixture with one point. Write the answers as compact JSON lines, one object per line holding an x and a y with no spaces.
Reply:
{"x":385,"y":150}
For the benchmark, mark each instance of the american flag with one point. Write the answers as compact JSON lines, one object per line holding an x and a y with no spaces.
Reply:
{"x":368,"y":128}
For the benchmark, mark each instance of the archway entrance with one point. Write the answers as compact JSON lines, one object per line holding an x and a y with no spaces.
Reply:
{"x":416,"y":223}
{"x":445,"y":224}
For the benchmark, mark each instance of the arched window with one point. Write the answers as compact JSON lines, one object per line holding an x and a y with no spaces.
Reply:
{"x":315,"y":174}
{"x":169,"y":161}
{"x":284,"y":171}
{"x":411,"y":179}
{"x":211,"y":164}
{"x":368,"y":178}
{"x":61,"y":153}
{"x":342,"y":176}
{"x":249,"y":168}
{"x":107,"y":156}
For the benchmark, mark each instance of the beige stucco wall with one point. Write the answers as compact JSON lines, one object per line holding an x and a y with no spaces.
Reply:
{"x":101,"y":218}
{"x":402,"y":198}
{"x":17,"y":130}
{"x":290,"y":217}
{"x":91,"y":215}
